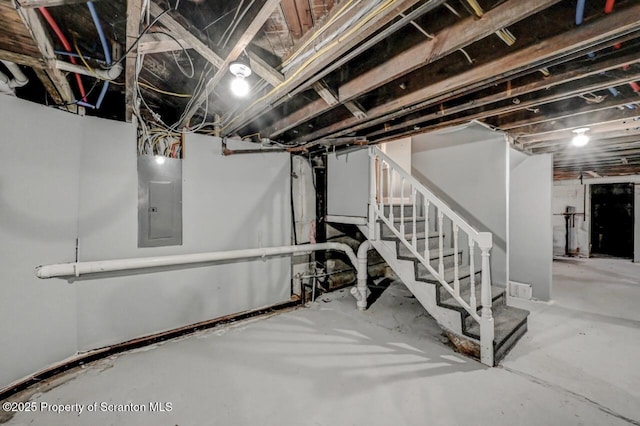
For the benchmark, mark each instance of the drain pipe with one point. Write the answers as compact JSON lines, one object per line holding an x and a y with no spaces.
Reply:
{"x":361,"y":291}
{"x":70,"y":270}
{"x":19,"y":79}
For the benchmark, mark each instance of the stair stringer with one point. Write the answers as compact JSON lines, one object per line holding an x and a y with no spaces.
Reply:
{"x":425,"y":293}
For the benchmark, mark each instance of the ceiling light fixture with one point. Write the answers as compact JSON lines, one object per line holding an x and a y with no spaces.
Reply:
{"x":580,"y":138}
{"x":160,"y":159}
{"x":240,"y":69}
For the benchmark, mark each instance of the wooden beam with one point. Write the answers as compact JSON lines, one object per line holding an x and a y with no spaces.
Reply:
{"x":21,"y":59}
{"x":182,"y":33}
{"x":339,"y":43}
{"x":583,"y":38}
{"x":56,"y":82}
{"x":617,"y":102}
{"x":613,"y":126}
{"x":577,"y":73}
{"x":546,"y":97}
{"x":48,"y":3}
{"x":446,"y":42}
{"x":250,"y":32}
{"x":449,"y":40}
{"x":134,"y":11}
{"x":599,"y":140}
{"x":264,"y":70}
{"x":159,"y":43}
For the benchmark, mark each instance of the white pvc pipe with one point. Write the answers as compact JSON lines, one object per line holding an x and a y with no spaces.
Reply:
{"x":110,"y":74}
{"x":82,"y":268}
{"x":19,"y":79}
{"x":361,"y":291}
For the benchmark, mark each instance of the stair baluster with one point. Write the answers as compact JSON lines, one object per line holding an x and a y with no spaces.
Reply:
{"x":472,"y":277}
{"x":456,"y":270}
{"x":426,"y":230}
{"x":402,"y":208}
{"x":390,"y":194}
{"x":414,"y":239}
{"x":440,"y":244}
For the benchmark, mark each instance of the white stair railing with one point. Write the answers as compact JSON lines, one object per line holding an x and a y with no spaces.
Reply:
{"x":384,"y":172}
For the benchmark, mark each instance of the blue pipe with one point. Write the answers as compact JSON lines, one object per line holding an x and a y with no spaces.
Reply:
{"x":75,"y":55}
{"x":105,"y":48}
{"x":580,"y":12}
{"x":85,"y":104}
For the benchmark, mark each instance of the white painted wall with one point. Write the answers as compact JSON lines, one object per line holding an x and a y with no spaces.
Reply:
{"x":636,"y":224}
{"x":530,"y":229}
{"x":69,"y":176}
{"x":348,"y":183}
{"x":399,"y":151}
{"x":39,"y":179}
{"x":229,"y":203}
{"x":467,"y":167}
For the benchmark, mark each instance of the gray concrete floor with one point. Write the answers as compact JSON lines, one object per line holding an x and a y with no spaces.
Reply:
{"x":329,"y":364}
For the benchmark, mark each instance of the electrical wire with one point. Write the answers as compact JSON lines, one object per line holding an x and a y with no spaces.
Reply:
{"x":318,"y":54}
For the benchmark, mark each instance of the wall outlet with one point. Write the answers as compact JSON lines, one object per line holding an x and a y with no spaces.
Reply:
{"x":520,"y":290}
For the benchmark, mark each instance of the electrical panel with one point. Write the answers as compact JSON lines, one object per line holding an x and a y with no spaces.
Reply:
{"x":159,"y":201}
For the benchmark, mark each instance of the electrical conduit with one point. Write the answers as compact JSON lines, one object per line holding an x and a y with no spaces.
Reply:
{"x":105,"y":48}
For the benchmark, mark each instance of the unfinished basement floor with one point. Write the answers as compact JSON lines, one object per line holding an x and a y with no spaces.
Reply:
{"x":329,"y":364}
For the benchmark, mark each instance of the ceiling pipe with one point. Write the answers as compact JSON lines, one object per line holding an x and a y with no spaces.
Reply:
{"x":105,"y":48}
{"x":108,"y":74}
{"x":19,"y":79}
{"x":65,"y":43}
{"x":71,"y":270}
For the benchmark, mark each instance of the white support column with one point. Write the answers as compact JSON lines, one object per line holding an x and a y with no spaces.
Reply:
{"x":456,"y":269}
{"x":402,"y":207}
{"x":414,"y":239}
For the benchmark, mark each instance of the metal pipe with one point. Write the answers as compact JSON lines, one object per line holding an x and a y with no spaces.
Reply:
{"x":65,"y":43}
{"x":76,"y":269}
{"x":361,"y":291}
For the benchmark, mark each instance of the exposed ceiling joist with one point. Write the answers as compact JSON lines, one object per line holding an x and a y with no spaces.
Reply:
{"x":182,"y":33}
{"x":316,"y":61}
{"x":249,"y":33}
{"x":534,"y":57}
{"x":159,"y":43}
{"x":48,"y":3}
{"x":615,"y":126}
{"x":548,"y":96}
{"x":21,"y":59}
{"x":446,"y":42}
{"x":56,"y":82}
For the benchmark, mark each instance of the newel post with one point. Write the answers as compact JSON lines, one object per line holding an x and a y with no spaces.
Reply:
{"x":372,"y":194}
{"x":486,"y":324}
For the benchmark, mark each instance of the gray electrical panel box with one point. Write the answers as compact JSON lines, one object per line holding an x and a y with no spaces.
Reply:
{"x":159,"y":201}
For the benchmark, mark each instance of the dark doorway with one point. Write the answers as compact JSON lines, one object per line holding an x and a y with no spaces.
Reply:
{"x":612,"y":220}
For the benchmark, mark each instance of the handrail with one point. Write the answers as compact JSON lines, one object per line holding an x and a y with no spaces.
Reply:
{"x":464,"y":225}
{"x":458,"y":224}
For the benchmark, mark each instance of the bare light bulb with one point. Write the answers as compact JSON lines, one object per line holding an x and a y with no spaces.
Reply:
{"x":239,"y":87}
{"x":580,"y":138}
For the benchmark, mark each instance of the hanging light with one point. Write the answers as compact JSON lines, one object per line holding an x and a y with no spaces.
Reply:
{"x":580,"y":138}
{"x":240,"y":69}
